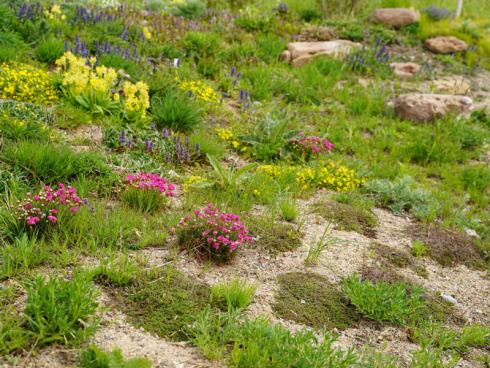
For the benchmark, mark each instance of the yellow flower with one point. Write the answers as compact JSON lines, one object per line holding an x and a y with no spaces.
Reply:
{"x":55,"y":9}
{"x":200,"y":91}
{"x":26,"y":83}
{"x":146,"y":33}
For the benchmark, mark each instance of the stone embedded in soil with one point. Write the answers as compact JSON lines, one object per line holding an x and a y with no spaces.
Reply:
{"x":405,"y":70}
{"x":301,"y":53}
{"x":445,"y":45}
{"x":428,"y":107}
{"x":395,"y":17}
{"x":449,"y":299}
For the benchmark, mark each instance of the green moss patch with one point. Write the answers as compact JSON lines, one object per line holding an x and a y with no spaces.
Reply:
{"x":347,"y":217}
{"x":310,"y":299}
{"x":391,"y":256}
{"x":277,"y":237}
{"x":448,"y":247}
{"x":164,"y":302}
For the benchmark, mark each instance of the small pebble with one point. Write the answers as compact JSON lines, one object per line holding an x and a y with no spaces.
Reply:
{"x":449,"y":299}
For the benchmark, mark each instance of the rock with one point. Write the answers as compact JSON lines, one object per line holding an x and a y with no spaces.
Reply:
{"x":449,"y":299}
{"x":455,"y":85}
{"x":405,"y":70}
{"x":428,"y":107}
{"x":445,"y":44}
{"x":395,"y":17}
{"x":472,"y":233}
{"x":286,"y":56}
{"x":303,"y":52}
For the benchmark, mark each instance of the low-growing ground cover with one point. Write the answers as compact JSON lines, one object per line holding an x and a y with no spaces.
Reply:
{"x":244,"y":183}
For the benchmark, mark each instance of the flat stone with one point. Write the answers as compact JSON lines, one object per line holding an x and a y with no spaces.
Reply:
{"x":303,"y":52}
{"x":428,"y":107}
{"x":445,"y":45}
{"x":395,"y":17}
{"x":405,"y":70}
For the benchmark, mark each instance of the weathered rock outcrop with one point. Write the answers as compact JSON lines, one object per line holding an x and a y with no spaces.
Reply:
{"x":395,"y":17}
{"x":445,"y":44}
{"x":428,"y":107}
{"x":300,"y":53}
{"x":405,"y":70}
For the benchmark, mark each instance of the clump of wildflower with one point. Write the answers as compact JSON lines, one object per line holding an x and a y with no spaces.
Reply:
{"x":137,"y":97}
{"x":192,"y":181}
{"x":307,"y":146}
{"x":98,"y":87}
{"x":213,"y":234}
{"x":147,"y":33}
{"x":164,"y":145}
{"x":150,"y":181}
{"x":201,"y":91}
{"x":328,"y":175}
{"x":48,"y":205}
{"x":227,"y":135}
{"x":146,"y":191}
{"x":22,"y":82}
{"x":55,"y":13}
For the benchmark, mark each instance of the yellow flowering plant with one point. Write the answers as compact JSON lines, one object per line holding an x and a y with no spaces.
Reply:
{"x":26,"y":83}
{"x":325,"y":174}
{"x":98,"y":88}
{"x":201,"y":91}
{"x":227,"y":135}
{"x":55,"y":13}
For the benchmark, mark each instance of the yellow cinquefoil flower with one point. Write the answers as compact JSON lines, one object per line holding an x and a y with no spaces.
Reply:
{"x":22,"y":82}
{"x":330,"y":176}
{"x":200,"y":91}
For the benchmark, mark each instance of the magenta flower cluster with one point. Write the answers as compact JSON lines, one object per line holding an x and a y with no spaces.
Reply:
{"x":45,"y":206}
{"x":151,"y":181}
{"x":311,"y":144}
{"x":218,"y":230}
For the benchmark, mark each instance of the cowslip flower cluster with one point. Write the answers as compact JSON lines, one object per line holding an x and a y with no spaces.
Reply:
{"x":201,"y":91}
{"x":46,"y":206}
{"x":81,"y":77}
{"x":212,"y":233}
{"x":22,"y":82}
{"x":79,"y":74}
{"x":150,"y":181}
{"x":329,"y":176}
{"x":55,"y":13}
{"x":137,"y":97}
{"x":308,"y":145}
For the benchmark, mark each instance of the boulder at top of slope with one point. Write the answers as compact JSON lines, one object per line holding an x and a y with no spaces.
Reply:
{"x":303,"y":52}
{"x":405,"y":70}
{"x":394,"y":17}
{"x":428,"y":107}
{"x":445,"y":44}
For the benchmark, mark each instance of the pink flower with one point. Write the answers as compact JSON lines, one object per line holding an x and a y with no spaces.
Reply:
{"x":32,"y":220}
{"x":53,"y":219}
{"x":74,"y":209}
